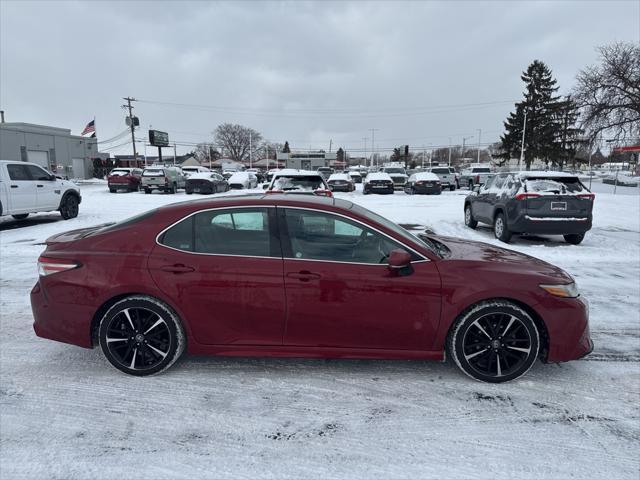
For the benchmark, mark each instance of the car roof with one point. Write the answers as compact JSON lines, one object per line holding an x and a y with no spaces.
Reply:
{"x":260,"y":199}
{"x":544,"y":174}
{"x":293,"y":172}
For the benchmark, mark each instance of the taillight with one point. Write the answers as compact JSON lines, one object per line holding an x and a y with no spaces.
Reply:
{"x":49,"y":266}
{"x":477,"y":179}
{"x":274,"y":191}
{"x":420,"y":182}
{"x":324,"y":193}
{"x":587,"y":196}
{"x":524,"y":196}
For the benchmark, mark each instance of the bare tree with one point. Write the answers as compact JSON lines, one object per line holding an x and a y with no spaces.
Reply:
{"x":205,"y":152}
{"x":609,"y":93}
{"x":236,"y":140}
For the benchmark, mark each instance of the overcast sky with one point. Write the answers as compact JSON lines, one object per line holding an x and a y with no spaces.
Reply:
{"x":419,"y":72}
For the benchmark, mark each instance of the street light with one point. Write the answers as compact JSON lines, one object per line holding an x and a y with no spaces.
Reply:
{"x":464,"y":139}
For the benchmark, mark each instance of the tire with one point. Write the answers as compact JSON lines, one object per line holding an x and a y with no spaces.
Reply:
{"x":452,"y":188}
{"x":500,"y":229}
{"x":365,"y":192}
{"x":20,"y":216}
{"x":69,"y":207}
{"x":147,"y":191}
{"x":113,"y":190}
{"x":140,"y":335}
{"x":470,"y":184}
{"x":494,"y":341}
{"x":469,"y":221}
{"x":189,"y":193}
{"x":574,"y":238}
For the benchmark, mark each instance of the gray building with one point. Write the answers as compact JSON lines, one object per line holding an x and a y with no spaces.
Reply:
{"x":51,"y":147}
{"x":307,"y":160}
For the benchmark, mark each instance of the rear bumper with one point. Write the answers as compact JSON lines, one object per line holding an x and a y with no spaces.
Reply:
{"x":428,"y":190}
{"x":199,"y":188}
{"x":385,"y":189}
{"x":67,"y":323}
{"x":340,"y":188}
{"x":526,"y":223}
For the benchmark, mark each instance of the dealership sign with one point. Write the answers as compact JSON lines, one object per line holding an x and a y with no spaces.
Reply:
{"x":158,"y":138}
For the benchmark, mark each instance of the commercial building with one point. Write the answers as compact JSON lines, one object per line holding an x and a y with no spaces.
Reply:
{"x":51,"y":147}
{"x":307,"y":160}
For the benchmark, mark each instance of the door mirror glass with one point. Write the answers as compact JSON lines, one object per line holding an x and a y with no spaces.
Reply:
{"x":399,"y":259}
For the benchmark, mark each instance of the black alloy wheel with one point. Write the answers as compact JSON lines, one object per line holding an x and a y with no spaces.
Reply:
{"x":141,"y":336}
{"x":69,"y":207}
{"x":574,"y":238}
{"x":496,"y":341}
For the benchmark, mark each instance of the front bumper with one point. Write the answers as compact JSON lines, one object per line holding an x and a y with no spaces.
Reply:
{"x":567,"y":321}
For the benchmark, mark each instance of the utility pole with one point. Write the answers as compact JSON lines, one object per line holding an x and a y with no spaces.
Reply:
{"x":365,"y":151}
{"x":524,"y":129}
{"x":133,"y":138}
{"x":479,"y":135}
{"x":250,"y":157}
{"x":464,"y":139}
{"x":174,"y":154}
{"x":330,"y":144}
{"x":449,"y":151}
{"x":373,"y":133}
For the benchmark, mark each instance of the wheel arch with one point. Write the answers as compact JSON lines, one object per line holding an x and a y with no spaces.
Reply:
{"x":99,"y":313}
{"x":66,"y":194}
{"x":535,"y":316}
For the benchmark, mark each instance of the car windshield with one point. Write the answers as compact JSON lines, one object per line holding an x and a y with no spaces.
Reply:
{"x":153,"y":172}
{"x":394,"y":227}
{"x":395,"y":170}
{"x":482,"y":170}
{"x":298,"y":182}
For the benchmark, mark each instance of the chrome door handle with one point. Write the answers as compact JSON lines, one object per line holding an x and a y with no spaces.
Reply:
{"x":178,"y":268}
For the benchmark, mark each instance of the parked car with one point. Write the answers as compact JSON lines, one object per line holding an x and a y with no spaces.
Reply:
{"x":227,"y":173}
{"x":164,"y":179}
{"x":378,"y":182}
{"x":206,"y":182}
{"x":242,"y":181}
{"x":340,"y":182}
{"x":398,"y":176}
{"x":475,"y":176}
{"x":28,"y":188}
{"x":542,"y":203}
{"x":270,"y":173}
{"x":191,"y":169}
{"x":423,"y":182}
{"x":326,"y":172}
{"x":124,"y":179}
{"x":298,"y":276}
{"x":447,"y":179}
{"x":356,"y":177}
{"x":456,"y":176}
{"x":301,"y":182}
{"x":258,"y":173}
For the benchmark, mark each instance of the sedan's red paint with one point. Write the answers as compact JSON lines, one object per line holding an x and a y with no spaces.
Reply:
{"x":243,"y":305}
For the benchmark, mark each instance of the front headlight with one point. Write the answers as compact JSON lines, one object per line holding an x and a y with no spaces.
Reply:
{"x":569,"y":290}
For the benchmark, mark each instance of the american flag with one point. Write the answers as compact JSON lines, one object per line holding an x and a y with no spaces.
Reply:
{"x":91,"y":127}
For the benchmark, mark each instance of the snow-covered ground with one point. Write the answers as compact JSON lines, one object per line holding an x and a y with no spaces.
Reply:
{"x":65,"y":413}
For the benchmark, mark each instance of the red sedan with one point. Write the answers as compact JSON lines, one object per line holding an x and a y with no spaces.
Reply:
{"x":294,"y":276}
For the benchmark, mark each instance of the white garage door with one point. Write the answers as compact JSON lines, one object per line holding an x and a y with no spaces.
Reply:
{"x":78,"y":168}
{"x":41,"y":158}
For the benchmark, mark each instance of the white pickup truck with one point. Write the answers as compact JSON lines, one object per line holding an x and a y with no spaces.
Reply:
{"x":475,"y":176}
{"x":28,"y":188}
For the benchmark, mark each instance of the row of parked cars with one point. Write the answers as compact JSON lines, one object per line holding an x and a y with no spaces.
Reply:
{"x":171,"y":179}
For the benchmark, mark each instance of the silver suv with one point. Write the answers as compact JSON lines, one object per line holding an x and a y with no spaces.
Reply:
{"x":165,"y":179}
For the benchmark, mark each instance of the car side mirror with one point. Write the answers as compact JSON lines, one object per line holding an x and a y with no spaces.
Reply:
{"x":52,"y":178}
{"x":265,"y":186}
{"x":398,"y":259}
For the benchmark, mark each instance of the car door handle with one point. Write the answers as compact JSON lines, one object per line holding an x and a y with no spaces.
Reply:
{"x":14,"y":186}
{"x":39,"y":186}
{"x":303,"y":275}
{"x":177,"y":268}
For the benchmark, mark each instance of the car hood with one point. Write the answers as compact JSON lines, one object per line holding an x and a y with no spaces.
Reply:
{"x":502,"y":259}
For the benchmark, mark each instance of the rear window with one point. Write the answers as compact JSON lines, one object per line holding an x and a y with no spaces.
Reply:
{"x":119,"y":172}
{"x":298,"y":182}
{"x":395,"y":170}
{"x":440,"y":170}
{"x":153,"y":172}
{"x":481,"y":170}
{"x":554,"y":185}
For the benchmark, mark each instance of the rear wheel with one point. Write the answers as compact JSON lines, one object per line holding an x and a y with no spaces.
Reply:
{"x":574,"y":238}
{"x":69,"y":207}
{"x":140,"y":335}
{"x":494,"y":341}
{"x":469,"y":221}
{"x":452,"y":188}
{"x":500,"y":229}
{"x":113,"y":190}
{"x":20,"y":216}
{"x":147,"y":190}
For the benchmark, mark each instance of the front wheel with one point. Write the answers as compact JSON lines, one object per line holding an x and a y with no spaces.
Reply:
{"x":69,"y":207}
{"x":469,"y":221}
{"x":574,"y":238}
{"x":494,"y":341}
{"x":140,"y":335}
{"x":452,"y":188}
{"x":20,"y":216}
{"x":500,"y":229}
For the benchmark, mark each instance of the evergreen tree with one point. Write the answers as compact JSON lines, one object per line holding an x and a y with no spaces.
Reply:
{"x":340,"y":155}
{"x":286,"y":148}
{"x":543,"y":135}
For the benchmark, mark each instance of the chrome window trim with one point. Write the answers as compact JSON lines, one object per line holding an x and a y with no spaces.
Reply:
{"x":157,"y":239}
